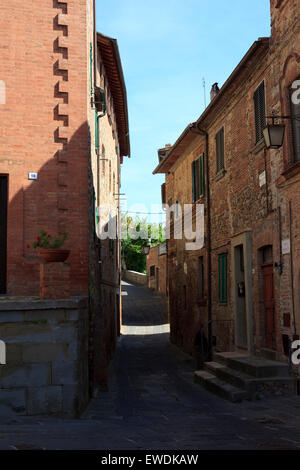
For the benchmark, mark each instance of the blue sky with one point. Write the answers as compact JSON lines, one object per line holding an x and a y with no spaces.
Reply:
{"x":167,"y":47}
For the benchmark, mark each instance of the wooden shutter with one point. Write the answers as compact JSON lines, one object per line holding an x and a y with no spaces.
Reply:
{"x":295,"y":123}
{"x":163,"y":193}
{"x":194,"y":180}
{"x":3,"y":232}
{"x":223,"y":278}
{"x":220,"y":150}
{"x":259,"y":111}
{"x":201,"y":176}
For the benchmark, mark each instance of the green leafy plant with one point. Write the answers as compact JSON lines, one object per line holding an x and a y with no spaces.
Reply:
{"x":45,"y":240}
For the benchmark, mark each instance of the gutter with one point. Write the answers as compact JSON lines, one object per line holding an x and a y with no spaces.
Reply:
{"x":203,"y":132}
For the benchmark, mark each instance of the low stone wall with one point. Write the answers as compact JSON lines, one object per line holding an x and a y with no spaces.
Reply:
{"x":135,"y":277}
{"x":46,"y":370}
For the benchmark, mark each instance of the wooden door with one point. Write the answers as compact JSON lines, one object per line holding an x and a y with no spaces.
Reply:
{"x":269,"y":305}
{"x":3,"y":232}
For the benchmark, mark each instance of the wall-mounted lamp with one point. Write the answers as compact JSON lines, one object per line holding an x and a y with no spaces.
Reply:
{"x":146,"y":248}
{"x":274,"y":133}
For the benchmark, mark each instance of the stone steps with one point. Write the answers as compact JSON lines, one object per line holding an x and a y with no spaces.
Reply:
{"x":219,"y":387}
{"x":236,"y":377}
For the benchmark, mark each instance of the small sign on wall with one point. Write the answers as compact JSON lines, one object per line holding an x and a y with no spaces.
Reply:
{"x":32,"y":176}
{"x":2,"y":92}
{"x":286,"y":246}
{"x":262,"y":179}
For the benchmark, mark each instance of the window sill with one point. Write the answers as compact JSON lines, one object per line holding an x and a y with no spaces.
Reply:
{"x":220,"y":174}
{"x":259,"y":146}
{"x":292,"y":170}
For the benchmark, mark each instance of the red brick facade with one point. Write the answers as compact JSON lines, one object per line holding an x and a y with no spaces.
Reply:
{"x":50,"y":126}
{"x":252,"y":207}
{"x":157,"y":268}
{"x":44,"y":130}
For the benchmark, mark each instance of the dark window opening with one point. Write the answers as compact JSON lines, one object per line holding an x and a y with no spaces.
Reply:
{"x":220,"y":150}
{"x":152,"y":271}
{"x":198,"y":178}
{"x":295,"y":123}
{"x":259,"y":111}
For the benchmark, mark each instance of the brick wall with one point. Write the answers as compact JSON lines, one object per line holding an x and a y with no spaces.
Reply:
{"x":256,"y":200}
{"x":44,"y":130}
{"x":46,"y":369}
{"x":158,"y":281}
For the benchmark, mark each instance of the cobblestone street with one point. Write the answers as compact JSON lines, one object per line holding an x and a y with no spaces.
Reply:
{"x":153,"y":402}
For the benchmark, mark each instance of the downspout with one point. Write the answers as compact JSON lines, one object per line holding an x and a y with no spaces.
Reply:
{"x":208,"y":228}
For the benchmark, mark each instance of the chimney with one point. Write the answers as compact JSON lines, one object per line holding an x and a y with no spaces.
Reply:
{"x":214,"y":91}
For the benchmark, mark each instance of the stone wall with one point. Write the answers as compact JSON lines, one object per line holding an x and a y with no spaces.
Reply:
{"x":46,"y":369}
{"x":135,"y":277}
{"x":158,"y":279}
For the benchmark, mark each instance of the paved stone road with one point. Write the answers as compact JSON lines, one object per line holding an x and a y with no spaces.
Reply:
{"x":154,"y":404}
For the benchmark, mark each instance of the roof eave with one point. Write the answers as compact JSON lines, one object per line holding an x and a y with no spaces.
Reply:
{"x":116,"y":55}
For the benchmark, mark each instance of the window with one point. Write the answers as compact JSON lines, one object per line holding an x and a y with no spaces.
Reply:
{"x":220,"y":150}
{"x":295,"y":111}
{"x":198,"y":179}
{"x":152,"y":271}
{"x":163,"y":193}
{"x":259,"y":111}
{"x":222,"y":262}
{"x":200,"y":278}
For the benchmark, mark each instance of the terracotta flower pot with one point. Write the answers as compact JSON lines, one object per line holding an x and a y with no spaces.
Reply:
{"x":54,"y":255}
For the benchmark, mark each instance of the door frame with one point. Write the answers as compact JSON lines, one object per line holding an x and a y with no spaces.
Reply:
{"x":244,"y":239}
{"x":274,"y":345}
{"x":3,"y":232}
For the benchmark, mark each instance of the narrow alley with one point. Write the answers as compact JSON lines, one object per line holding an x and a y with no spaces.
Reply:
{"x":153,"y":402}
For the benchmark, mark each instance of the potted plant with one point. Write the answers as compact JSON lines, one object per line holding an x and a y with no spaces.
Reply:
{"x":50,"y":247}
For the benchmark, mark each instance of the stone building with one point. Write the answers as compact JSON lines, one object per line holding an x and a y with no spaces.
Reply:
{"x":157,"y":268}
{"x":243,"y":287}
{"x":56,"y":78}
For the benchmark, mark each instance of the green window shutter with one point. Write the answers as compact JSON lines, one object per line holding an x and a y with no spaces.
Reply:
{"x":223,"y":282}
{"x":96,"y":131}
{"x":194,"y":180}
{"x":91,"y":67}
{"x":220,"y":150}
{"x":201,"y":176}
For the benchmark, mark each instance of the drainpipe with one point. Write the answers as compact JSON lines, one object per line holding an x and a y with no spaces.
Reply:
{"x":292,"y":267}
{"x":200,"y":131}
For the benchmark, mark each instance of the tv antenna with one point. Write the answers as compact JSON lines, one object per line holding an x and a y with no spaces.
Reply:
{"x":204,"y":91}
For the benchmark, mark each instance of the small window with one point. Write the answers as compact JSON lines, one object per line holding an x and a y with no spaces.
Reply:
{"x":152,"y":271}
{"x":220,"y":150}
{"x":295,"y":112}
{"x":259,"y":111}
{"x":163,"y":193}
{"x":200,"y":278}
{"x":198,"y":178}
{"x":222,"y":264}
